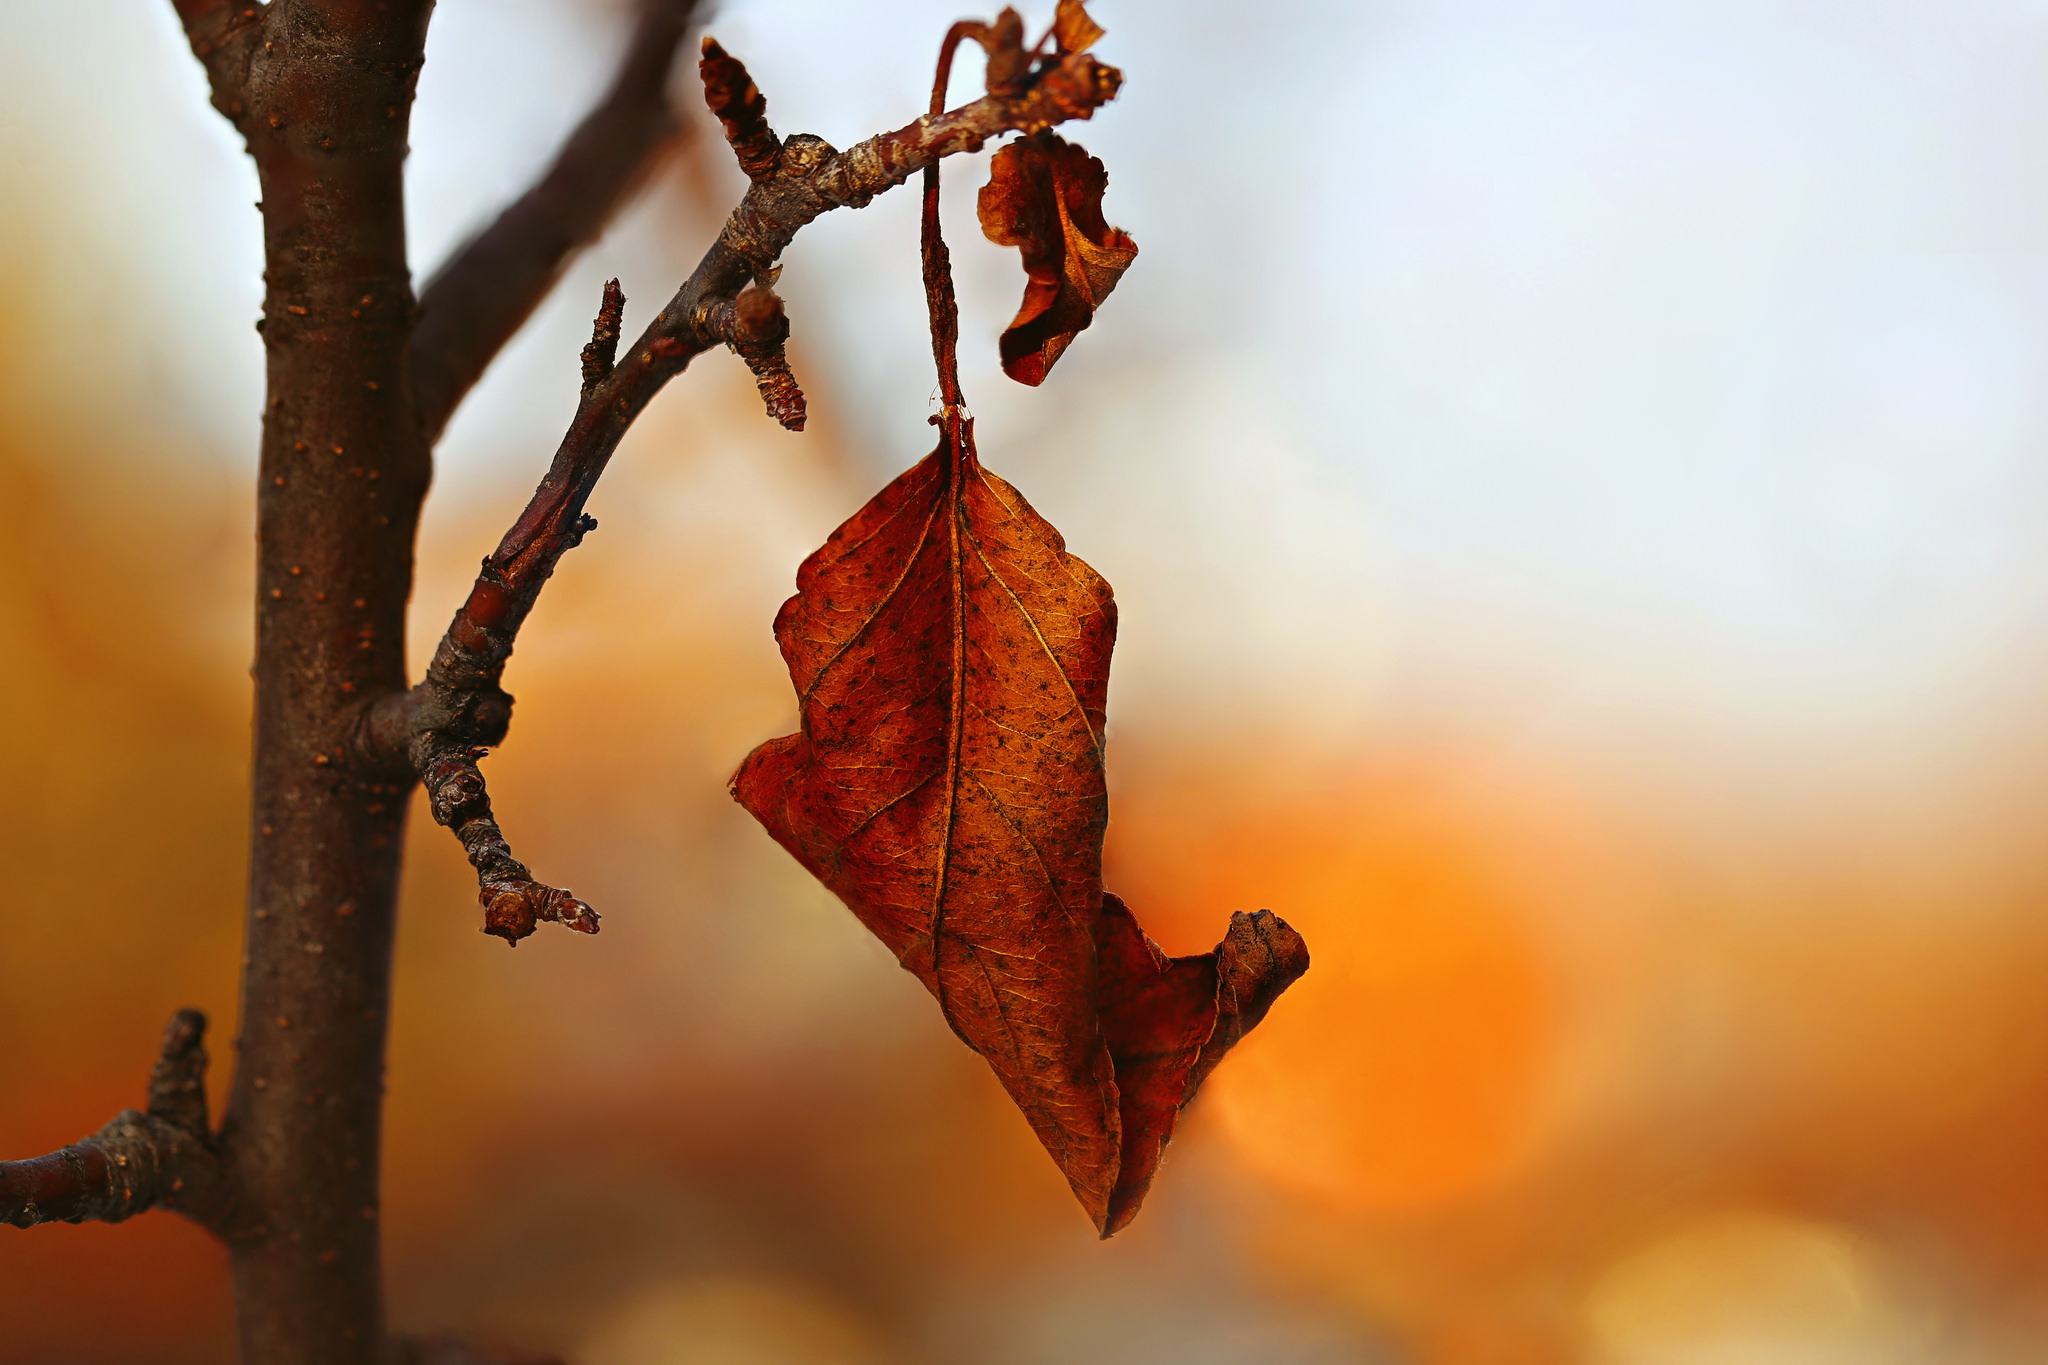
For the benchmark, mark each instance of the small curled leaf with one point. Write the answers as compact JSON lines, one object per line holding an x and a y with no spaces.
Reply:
{"x":1044,"y":197}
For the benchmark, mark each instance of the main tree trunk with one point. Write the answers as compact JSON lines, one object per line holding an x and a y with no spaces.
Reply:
{"x":343,"y":471}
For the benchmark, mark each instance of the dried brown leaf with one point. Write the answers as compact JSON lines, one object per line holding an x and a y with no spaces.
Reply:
{"x":951,"y":662}
{"x":1044,"y":197}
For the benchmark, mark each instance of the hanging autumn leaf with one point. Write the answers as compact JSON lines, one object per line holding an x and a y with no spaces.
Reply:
{"x":1044,"y":196}
{"x":951,"y":662}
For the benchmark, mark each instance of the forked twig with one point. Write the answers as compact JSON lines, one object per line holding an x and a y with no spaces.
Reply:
{"x":440,"y":727}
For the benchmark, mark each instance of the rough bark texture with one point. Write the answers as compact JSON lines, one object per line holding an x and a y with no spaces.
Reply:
{"x":344,"y":469}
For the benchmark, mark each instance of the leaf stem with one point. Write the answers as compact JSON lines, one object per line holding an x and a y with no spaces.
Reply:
{"x":938,"y":262}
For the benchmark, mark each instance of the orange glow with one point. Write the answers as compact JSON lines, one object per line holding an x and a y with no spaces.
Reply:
{"x":1408,"y":1066}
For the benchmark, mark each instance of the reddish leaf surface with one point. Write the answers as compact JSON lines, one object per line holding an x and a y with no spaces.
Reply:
{"x":1044,"y":197}
{"x":1168,"y":1022}
{"x":951,"y":662}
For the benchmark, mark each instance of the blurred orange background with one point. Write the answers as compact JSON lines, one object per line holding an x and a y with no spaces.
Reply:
{"x":1571,"y":476}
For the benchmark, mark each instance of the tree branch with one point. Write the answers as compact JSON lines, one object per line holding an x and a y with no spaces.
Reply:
{"x":439,"y":728}
{"x":476,"y":301}
{"x":139,"y":1160}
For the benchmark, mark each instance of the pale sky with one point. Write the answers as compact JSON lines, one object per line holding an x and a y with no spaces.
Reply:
{"x":1671,"y":364}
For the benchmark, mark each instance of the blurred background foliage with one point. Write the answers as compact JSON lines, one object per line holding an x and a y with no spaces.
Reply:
{"x":1572,"y":473}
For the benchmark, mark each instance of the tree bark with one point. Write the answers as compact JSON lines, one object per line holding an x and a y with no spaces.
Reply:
{"x":343,"y":472}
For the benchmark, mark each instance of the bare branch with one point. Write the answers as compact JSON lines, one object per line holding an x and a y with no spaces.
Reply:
{"x":439,"y":728}
{"x":476,"y":301}
{"x":139,"y":1160}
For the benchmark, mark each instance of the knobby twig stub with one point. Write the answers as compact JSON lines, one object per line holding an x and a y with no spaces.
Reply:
{"x":163,"y":1156}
